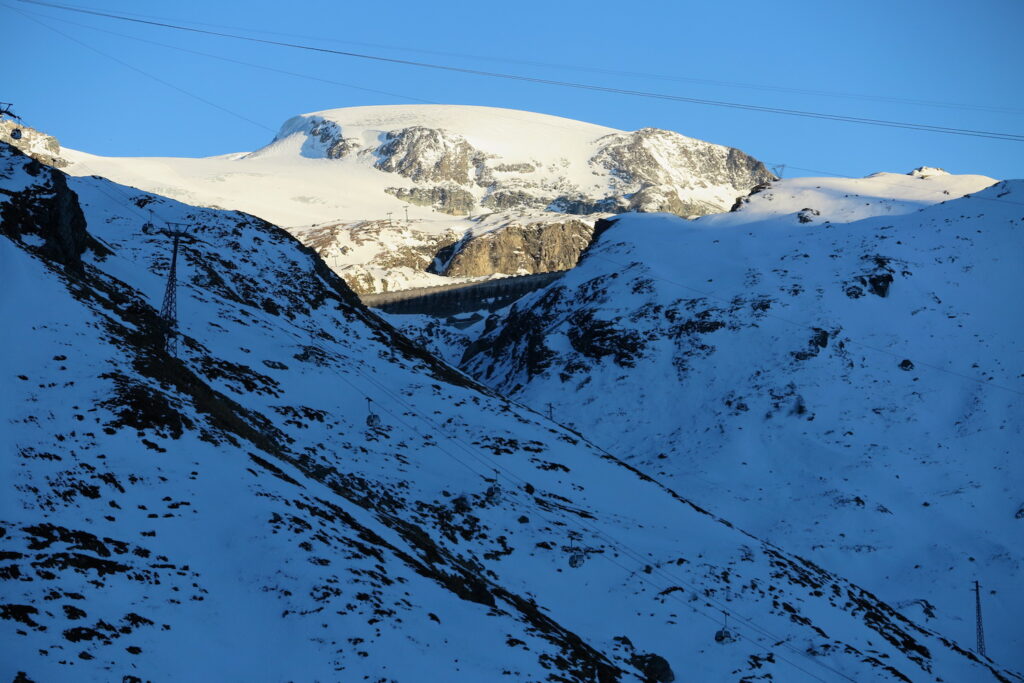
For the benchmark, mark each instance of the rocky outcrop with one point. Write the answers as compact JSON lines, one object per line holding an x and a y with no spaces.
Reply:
{"x":502,"y":200}
{"x":46,"y":216}
{"x":663,"y":171}
{"x":376,"y":256}
{"x":538,"y":247}
{"x":451,"y":200}
{"x":428,"y":155}
{"x":40,"y":146}
{"x":335,"y":144}
{"x":649,"y":170}
{"x":382,"y":256}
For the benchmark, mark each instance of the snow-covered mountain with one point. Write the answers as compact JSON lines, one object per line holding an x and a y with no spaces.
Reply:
{"x":837,"y":366}
{"x":230,"y":514}
{"x":349,"y":169}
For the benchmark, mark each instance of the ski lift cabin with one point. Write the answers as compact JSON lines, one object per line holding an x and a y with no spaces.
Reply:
{"x":372,"y":418}
{"x":724,"y":635}
{"x":576,"y":554}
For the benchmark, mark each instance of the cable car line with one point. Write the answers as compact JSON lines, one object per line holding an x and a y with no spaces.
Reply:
{"x":609,"y":72}
{"x":1012,"y":137}
{"x":315,"y":78}
{"x":231,"y":60}
{"x":143,"y":72}
{"x":636,"y":555}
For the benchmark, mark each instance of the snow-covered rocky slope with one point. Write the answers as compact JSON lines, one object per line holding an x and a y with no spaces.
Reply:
{"x":385,"y":256}
{"x":350,"y":168}
{"x":229,"y":515}
{"x":836,"y":366}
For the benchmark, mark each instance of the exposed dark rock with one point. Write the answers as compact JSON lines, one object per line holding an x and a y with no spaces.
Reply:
{"x":666,"y":199}
{"x":635,"y":157}
{"x":515,"y":168}
{"x":428,"y":155}
{"x":580,"y":205}
{"x":599,"y":338}
{"x":48,"y":210}
{"x":808,"y":215}
{"x":501,"y":200}
{"x":42,"y":147}
{"x":878,"y":284}
{"x":655,"y":668}
{"x":330,"y":136}
{"x":539,"y":247}
{"x":450,"y":200}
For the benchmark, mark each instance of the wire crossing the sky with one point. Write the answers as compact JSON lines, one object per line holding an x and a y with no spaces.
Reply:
{"x":1010,"y":137}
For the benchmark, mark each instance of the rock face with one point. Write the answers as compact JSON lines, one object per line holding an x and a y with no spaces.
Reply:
{"x":40,"y":146}
{"x":46,"y":215}
{"x":649,"y":170}
{"x":378,"y":256}
{"x":355,"y":166}
{"x":383,"y":256}
{"x":538,"y":247}
{"x":428,"y":155}
{"x":660,"y":171}
{"x":445,"y":199}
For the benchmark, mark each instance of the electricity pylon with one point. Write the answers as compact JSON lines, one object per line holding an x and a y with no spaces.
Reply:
{"x":169,"y":309}
{"x":977,"y":616}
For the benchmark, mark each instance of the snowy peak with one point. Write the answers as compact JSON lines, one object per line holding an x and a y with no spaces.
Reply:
{"x":464,"y":159}
{"x":507,"y":132}
{"x":443,"y":169}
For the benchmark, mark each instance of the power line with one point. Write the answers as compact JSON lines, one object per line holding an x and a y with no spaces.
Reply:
{"x":567,"y":84}
{"x":606,"y":71}
{"x":213,"y":104}
{"x":143,"y":72}
{"x":234,"y":61}
{"x":776,"y":167}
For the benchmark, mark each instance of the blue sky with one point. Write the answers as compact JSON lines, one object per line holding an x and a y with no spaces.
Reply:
{"x":871,"y":56}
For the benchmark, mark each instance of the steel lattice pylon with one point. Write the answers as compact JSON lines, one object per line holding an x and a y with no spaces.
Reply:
{"x":169,"y":309}
{"x":977,"y":614}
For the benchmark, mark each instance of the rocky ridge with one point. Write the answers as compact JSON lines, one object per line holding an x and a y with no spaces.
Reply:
{"x":450,"y":167}
{"x":648,"y":170}
{"x":383,"y":256}
{"x":38,"y":145}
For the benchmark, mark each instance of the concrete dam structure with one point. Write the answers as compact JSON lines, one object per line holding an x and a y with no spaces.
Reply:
{"x":444,"y":301}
